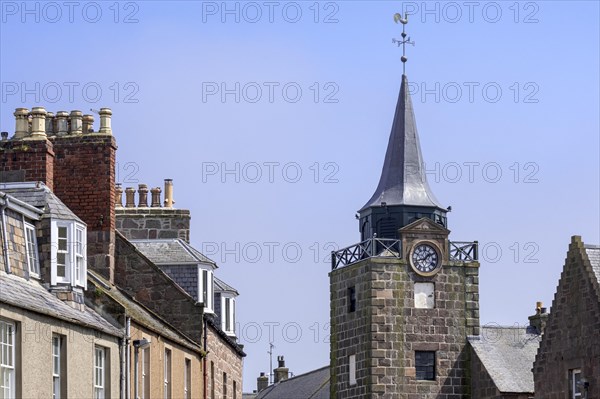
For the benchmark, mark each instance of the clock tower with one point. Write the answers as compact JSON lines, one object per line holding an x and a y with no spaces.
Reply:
{"x":405,"y":298}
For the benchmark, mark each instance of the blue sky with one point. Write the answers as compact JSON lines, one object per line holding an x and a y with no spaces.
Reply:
{"x":273,"y":118}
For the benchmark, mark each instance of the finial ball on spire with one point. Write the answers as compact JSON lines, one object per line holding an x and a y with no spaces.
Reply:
{"x":403,"y":59}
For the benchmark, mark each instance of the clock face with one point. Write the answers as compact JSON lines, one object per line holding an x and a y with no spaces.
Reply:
{"x":424,"y":258}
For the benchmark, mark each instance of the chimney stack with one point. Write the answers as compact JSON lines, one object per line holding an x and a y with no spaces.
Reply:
{"x":143,"y":192}
{"x":22,"y":123}
{"x":155,"y":197}
{"x":169,"y":193}
{"x":50,"y":122}
{"x":154,"y":221}
{"x":262,"y":382}
{"x":539,"y":319}
{"x":130,"y":197}
{"x":119,"y":196}
{"x":281,"y":372}
{"x":62,"y":123}
{"x":76,"y":122}
{"x":57,"y":153}
{"x":38,"y":123}
{"x":105,"y":119}
{"x":88,"y":124}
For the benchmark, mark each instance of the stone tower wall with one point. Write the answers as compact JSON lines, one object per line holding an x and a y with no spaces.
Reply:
{"x":386,"y":329}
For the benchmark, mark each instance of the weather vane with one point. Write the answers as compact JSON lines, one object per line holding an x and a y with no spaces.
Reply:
{"x":405,"y":40}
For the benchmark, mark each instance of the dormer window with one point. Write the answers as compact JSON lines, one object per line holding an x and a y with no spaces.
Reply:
{"x":32,"y":250}
{"x":68,"y":258}
{"x":228,"y":314}
{"x":205,"y":289}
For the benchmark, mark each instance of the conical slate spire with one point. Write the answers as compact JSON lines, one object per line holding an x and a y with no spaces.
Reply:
{"x":403,"y":180}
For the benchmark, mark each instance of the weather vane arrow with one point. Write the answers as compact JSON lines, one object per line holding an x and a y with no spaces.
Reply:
{"x":405,"y":40}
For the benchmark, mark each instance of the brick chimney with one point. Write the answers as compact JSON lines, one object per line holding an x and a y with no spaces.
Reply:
{"x":262,"y":382}
{"x":78,"y":165}
{"x":281,"y":372}
{"x":84,"y":179}
{"x":539,"y":319}
{"x":28,"y":155}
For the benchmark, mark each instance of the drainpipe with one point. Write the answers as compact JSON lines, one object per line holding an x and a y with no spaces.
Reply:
{"x":4,"y":238}
{"x":135,"y":372}
{"x":205,"y":362}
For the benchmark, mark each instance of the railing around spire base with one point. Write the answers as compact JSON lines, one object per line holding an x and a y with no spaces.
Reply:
{"x":464,"y":251}
{"x":390,"y":248}
{"x":380,"y":247}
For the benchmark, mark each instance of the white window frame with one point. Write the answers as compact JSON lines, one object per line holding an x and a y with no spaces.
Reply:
{"x":574,"y":393}
{"x":187,"y":377}
{"x":56,"y":366}
{"x":145,"y":388}
{"x":99,"y":372}
{"x":167,"y":379}
{"x":75,"y":254}
{"x":33,"y":261}
{"x":228,"y":318}
{"x":7,"y":359}
{"x":208,"y":300}
{"x":79,"y":249}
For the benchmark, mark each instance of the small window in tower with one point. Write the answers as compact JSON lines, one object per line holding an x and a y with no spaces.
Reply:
{"x":352,"y":369}
{"x":351,"y":299}
{"x":425,"y":365}
{"x":424,"y":295}
{"x":575,"y":388}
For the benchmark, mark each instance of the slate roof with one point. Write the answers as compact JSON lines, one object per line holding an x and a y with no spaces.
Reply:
{"x":32,"y":296}
{"x":39,"y":195}
{"x":593,"y":253}
{"x":508,"y":354}
{"x":170,"y":252}
{"x":142,"y":315}
{"x":311,"y":385}
{"x":403,"y":179}
{"x":222,"y":286}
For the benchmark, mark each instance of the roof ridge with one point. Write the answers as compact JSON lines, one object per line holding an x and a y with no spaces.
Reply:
{"x":304,"y":374}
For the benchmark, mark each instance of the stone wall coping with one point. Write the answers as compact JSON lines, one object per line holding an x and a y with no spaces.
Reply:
{"x":154,"y":211}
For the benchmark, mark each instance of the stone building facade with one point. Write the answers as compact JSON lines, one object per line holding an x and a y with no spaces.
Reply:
{"x":385,"y":329}
{"x":567,"y":364}
{"x":189,"y":269}
{"x":51,"y":343}
{"x":224,"y":364}
{"x":169,"y":364}
{"x":126,"y":293}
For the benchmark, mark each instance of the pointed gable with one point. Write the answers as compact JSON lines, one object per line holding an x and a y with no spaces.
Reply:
{"x":571,"y":340}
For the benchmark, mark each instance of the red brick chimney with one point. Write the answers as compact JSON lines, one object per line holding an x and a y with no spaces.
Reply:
{"x":77,"y":164}
{"x":28,"y":157}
